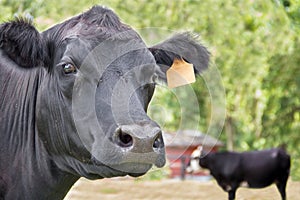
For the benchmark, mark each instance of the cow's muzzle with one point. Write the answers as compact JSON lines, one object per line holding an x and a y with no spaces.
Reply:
{"x":141,"y":144}
{"x":130,"y":149}
{"x":128,"y":137}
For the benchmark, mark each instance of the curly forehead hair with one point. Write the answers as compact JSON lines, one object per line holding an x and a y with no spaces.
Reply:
{"x":97,"y":23}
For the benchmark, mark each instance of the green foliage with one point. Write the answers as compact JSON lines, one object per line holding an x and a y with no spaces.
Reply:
{"x":255,"y":48}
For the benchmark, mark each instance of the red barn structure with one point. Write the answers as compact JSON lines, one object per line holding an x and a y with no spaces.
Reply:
{"x":181,"y":144}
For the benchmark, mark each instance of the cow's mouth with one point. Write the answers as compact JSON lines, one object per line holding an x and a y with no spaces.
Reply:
{"x":107,"y":171}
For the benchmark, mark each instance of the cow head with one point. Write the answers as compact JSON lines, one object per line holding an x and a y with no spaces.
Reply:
{"x":197,"y":160}
{"x":97,"y":78}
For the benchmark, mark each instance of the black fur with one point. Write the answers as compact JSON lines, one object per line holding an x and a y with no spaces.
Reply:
{"x":22,"y":43}
{"x":3,"y":188}
{"x":98,"y":22}
{"x":103,"y":17}
{"x":183,"y":45}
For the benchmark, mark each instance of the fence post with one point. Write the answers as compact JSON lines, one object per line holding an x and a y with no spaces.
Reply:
{"x":182,"y":169}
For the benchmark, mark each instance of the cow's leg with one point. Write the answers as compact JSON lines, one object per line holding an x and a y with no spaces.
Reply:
{"x":231,"y":194}
{"x":281,"y":187}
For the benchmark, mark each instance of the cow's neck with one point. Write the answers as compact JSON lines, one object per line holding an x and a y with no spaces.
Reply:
{"x":26,"y":170}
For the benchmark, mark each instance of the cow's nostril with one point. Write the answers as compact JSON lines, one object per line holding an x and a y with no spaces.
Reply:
{"x":124,"y":139}
{"x":158,"y":142}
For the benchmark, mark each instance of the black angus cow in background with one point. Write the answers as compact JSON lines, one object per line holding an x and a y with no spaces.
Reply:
{"x":73,"y":102}
{"x":253,"y":169}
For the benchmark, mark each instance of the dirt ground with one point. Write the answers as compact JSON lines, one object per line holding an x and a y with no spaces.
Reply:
{"x":129,"y":189}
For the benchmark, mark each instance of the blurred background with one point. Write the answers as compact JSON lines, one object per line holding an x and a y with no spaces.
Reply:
{"x":255,"y":59}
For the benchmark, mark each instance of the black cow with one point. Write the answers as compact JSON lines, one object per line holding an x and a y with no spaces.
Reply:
{"x":73,"y":102}
{"x":254,"y":169}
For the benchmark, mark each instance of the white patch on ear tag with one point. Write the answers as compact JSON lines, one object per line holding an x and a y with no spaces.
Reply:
{"x":180,"y":73}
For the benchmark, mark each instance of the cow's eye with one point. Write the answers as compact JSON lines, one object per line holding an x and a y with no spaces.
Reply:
{"x":69,"y":68}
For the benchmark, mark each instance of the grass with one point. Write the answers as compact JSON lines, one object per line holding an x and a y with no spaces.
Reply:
{"x":108,"y":190}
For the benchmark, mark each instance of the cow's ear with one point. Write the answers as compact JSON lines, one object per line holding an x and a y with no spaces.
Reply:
{"x":183,"y":46}
{"x":20,"y":40}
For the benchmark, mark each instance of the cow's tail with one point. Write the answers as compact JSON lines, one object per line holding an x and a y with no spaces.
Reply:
{"x":283,"y":147}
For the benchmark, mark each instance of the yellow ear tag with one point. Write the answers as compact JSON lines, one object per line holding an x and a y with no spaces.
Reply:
{"x":180,"y":73}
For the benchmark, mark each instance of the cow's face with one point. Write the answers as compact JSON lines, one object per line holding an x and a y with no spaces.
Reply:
{"x":99,"y":91}
{"x":97,"y":79}
{"x":194,"y":163}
